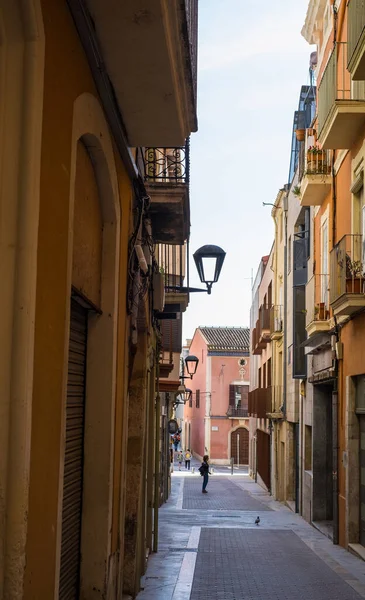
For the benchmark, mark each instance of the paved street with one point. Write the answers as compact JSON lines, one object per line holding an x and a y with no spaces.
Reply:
{"x":210,"y":548}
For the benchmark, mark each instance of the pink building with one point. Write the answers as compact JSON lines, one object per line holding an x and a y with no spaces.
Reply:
{"x":216,"y":418}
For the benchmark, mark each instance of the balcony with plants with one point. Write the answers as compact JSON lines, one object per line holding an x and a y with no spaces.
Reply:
{"x":341,"y":103}
{"x":166,"y":174}
{"x":314,"y":171}
{"x":276,"y":322}
{"x":317,"y":304}
{"x":356,"y":39}
{"x":347,"y":275}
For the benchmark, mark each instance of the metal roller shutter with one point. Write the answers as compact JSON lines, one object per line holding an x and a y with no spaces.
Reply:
{"x":74,"y":450}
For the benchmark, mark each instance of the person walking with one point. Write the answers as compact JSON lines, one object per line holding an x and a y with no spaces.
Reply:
{"x":204,"y":471}
{"x":187,"y":459}
{"x":179,"y":458}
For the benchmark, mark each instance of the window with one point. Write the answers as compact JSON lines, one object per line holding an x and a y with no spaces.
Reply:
{"x":191,"y":402}
{"x":197,"y":398}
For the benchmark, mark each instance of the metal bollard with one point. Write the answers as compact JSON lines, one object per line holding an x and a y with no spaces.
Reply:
{"x":232,"y":461}
{"x":193,"y":469}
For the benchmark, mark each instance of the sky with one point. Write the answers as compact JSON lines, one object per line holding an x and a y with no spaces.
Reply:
{"x":252,"y":63}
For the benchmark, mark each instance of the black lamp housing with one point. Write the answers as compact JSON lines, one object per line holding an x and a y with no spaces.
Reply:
{"x":211,"y":252}
{"x":191,"y":364}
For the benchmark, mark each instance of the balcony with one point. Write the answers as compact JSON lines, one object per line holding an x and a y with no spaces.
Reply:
{"x":341,"y":103}
{"x":238,"y":412}
{"x":260,"y":402}
{"x":171,"y":260}
{"x":261,"y":333}
{"x":315,"y":173}
{"x":347,"y":279}
{"x":317,"y":305}
{"x":264,"y":337}
{"x":276,"y":322}
{"x":356,"y":39}
{"x":166,"y":175}
{"x":150,"y":52}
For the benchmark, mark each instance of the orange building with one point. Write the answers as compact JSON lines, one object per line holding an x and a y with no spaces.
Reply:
{"x":85,"y":197}
{"x":332,"y":180}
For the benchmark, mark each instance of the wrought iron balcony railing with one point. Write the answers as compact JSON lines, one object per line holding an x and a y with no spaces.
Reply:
{"x":276,"y":319}
{"x":355,"y":29}
{"x":336,"y":84}
{"x":238,"y":412}
{"x":317,"y":298}
{"x":165,"y":165}
{"x":172,"y":262}
{"x":347,"y":262}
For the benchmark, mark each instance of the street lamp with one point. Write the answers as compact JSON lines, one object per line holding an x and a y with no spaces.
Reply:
{"x":191,"y":364}
{"x":183,"y":395}
{"x":209,"y":261}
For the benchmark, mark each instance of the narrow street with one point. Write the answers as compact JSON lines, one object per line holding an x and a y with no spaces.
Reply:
{"x":210,"y":547}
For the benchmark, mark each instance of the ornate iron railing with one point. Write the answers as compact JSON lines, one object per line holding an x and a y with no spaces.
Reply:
{"x":166,"y":165}
{"x":347,"y":261}
{"x":239,"y":412}
{"x":355,"y":29}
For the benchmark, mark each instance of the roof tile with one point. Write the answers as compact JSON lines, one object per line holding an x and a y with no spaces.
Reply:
{"x":234,"y":339}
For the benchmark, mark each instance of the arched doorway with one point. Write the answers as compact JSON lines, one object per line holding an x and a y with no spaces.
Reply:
{"x":239,"y":446}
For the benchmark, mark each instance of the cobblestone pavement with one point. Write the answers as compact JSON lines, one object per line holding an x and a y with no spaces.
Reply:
{"x":259,"y":565}
{"x":210,"y":551}
{"x":222,"y":495}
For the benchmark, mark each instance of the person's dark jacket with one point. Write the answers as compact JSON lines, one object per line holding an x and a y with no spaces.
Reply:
{"x":205,"y":467}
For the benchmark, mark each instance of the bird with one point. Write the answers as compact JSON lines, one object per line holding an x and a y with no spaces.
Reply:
{"x":257,"y":521}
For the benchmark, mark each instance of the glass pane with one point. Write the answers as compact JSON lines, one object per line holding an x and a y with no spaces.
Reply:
{"x":209,"y":268}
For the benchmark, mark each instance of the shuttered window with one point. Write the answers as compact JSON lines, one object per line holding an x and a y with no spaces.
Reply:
{"x":74,"y":453}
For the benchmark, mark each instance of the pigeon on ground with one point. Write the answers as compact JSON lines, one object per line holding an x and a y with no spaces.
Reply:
{"x":257,"y":521}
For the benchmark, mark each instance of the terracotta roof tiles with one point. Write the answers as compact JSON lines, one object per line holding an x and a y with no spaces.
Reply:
{"x":234,"y":339}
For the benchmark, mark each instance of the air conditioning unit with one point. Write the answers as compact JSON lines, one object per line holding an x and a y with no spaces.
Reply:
{"x":158,"y":283}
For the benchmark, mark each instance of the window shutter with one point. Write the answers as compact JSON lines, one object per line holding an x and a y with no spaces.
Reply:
{"x":232,"y":395}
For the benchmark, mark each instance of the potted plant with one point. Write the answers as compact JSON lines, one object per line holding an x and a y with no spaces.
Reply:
{"x":296,"y":190}
{"x":354,"y":276}
{"x":300,"y":134}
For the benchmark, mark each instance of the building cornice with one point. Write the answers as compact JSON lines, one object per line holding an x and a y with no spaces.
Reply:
{"x":315,"y":12}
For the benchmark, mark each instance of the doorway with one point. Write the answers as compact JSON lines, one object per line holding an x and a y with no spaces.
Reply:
{"x":322,"y":455}
{"x":240,"y":446}
{"x":74,"y":456}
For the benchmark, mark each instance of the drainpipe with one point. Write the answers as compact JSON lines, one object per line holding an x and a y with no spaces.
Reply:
{"x":335,"y":489}
{"x":285,"y":319}
{"x":157,"y":459}
{"x":157,"y":468}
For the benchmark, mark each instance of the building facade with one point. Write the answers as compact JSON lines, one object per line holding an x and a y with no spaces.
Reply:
{"x":85,"y":199}
{"x":332,"y":188}
{"x":317,"y":351}
{"x":261,"y":371}
{"x":216,"y":418}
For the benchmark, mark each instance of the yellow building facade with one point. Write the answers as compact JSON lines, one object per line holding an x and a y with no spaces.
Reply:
{"x":80,"y":413}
